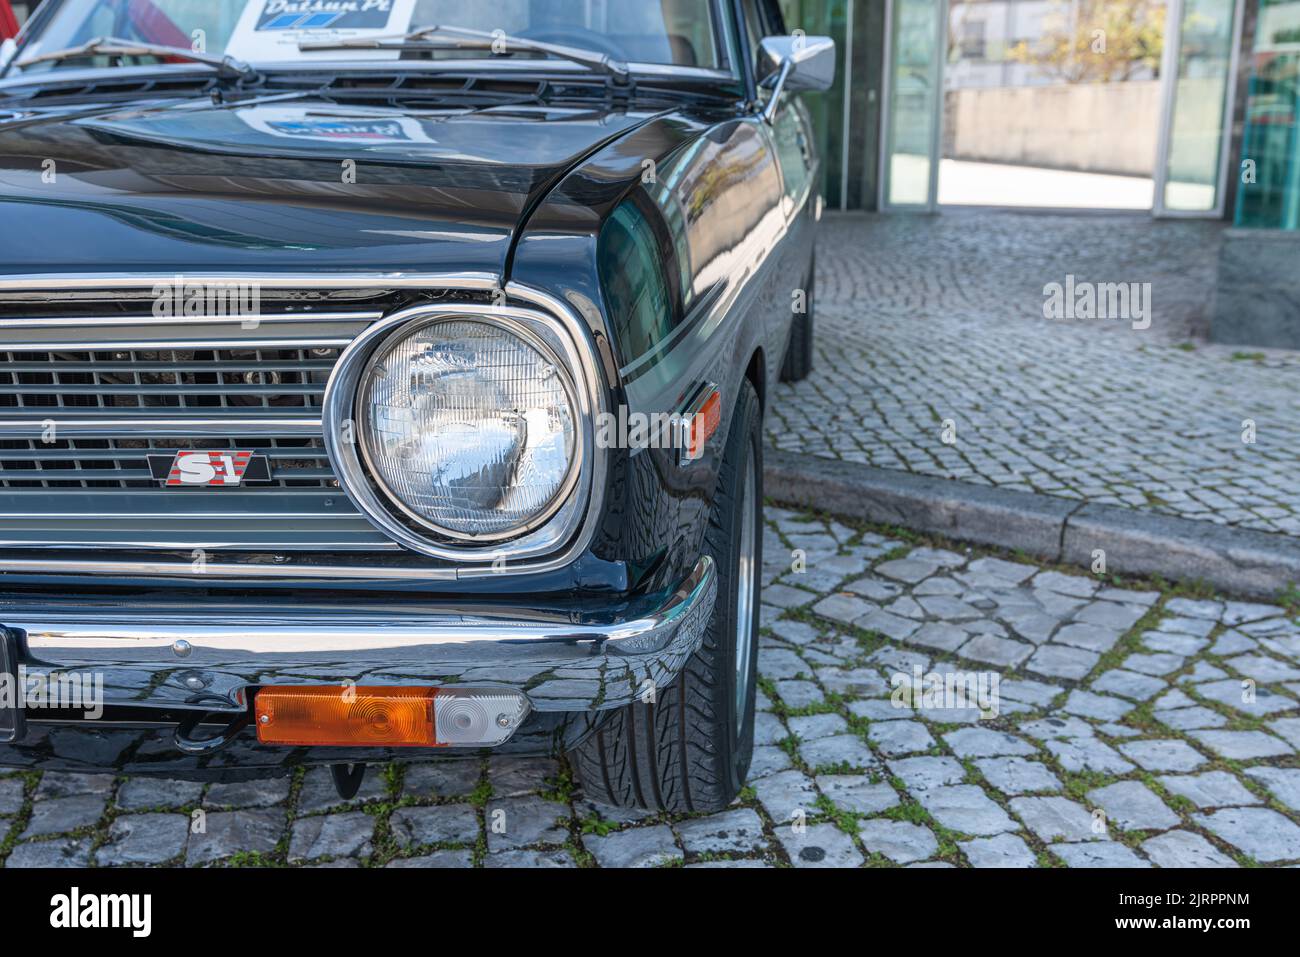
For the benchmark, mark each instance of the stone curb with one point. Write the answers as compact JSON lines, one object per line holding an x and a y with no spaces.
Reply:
{"x":1237,"y":561}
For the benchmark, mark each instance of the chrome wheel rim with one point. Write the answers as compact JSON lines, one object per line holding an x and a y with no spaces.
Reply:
{"x":746,"y":580}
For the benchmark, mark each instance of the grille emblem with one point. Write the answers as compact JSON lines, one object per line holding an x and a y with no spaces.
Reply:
{"x":207,"y":469}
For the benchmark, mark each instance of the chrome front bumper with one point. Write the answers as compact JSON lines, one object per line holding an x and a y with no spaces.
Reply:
{"x":174,"y":658}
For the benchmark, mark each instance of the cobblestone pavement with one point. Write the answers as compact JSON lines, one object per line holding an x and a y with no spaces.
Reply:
{"x":1132,"y":728}
{"x":924,"y":322}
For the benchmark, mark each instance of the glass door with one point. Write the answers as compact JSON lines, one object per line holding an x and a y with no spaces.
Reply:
{"x":1199,"y":72}
{"x":916,"y":37}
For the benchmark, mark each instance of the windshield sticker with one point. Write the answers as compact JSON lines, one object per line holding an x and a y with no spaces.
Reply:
{"x":270,"y":30}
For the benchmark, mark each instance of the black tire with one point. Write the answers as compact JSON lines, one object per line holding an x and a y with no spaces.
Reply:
{"x":689,"y":750}
{"x":799,"y":353}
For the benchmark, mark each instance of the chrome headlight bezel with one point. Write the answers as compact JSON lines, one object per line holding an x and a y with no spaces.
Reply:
{"x":347,"y":442}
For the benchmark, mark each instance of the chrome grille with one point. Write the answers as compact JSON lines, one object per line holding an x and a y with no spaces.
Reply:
{"x":85,"y":400}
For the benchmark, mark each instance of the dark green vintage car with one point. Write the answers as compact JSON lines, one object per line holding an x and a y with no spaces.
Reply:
{"x":380,"y":375}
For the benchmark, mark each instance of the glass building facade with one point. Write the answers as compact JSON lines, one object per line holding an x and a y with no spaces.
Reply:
{"x":1269,"y":192}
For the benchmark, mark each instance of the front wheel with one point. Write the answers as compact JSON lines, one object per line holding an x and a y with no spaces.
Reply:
{"x":689,"y":749}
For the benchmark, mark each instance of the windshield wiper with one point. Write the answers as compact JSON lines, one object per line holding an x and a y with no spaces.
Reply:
{"x":226,"y":66}
{"x":466,"y":39}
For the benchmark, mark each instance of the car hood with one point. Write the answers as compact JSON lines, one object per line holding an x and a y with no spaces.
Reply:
{"x":281,"y":185}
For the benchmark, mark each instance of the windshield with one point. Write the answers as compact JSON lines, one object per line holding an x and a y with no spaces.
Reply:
{"x":665,"y":32}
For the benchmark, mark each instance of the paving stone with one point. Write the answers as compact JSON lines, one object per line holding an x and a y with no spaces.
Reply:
{"x":517,"y":822}
{"x":446,"y":824}
{"x":262,"y":792}
{"x":58,"y":784}
{"x":141,"y":793}
{"x":332,"y":835}
{"x":318,"y":792}
{"x":909,"y":570}
{"x":1087,"y":754}
{"x":1196,"y":627}
{"x":1088,"y":636}
{"x":819,"y":845}
{"x":1260,"y":833}
{"x":1238,"y":612}
{"x":812,"y":726}
{"x":768,"y":760}
{"x":965,"y":808}
{"x":1129,"y":684}
{"x":1004,"y":850}
{"x":1287,"y":729}
{"x":1058,"y":727}
{"x":1158,"y":664}
{"x":1182,"y":645}
{"x":1184,"y":849}
{"x":1060,"y":661}
{"x":1254,"y":701}
{"x":852,"y":681}
{"x":888,"y":624}
{"x":838,"y":750}
{"x":1232,"y":643}
{"x":1194,"y":608}
{"x":531,"y":860}
{"x":442,"y":779}
{"x":1263,"y":669}
{"x":985,"y":742}
{"x":144,"y":839}
{"x":1203,"y":671}
{"x":739,"y":831}
{"x":59,"y":815}
{"x":1002,"y":652}
{"x":1098,"y":854}
{"x":11,"y":795}
{"x":898,"y":661}
{"x":881,"y":709}
{"x":227,"y":833}
{"x":1241,"y":745}
{"x":927,"y":772}
{"x":900,"y":737}
{"x":1111,"y":615}
{"x":785,"y":794}
{"x":795,"y":632}
{"x":783,"y":596}
{"x":1076,"y":585}
{"x":1055,"y":818}
{"x":514,"y":777}
{"x":652,"y":846}
{"x":842,"y":607}
{"x":1031,"y":692}
{"x":998,"y":571}
{"x":448,"y":859}
{"x":1283,"y":783}
{"x":1168,"y":754}
{"x":1018,"y":776}
{"x":939,"y":636}
{"x":780,"y":663}
{"x":858,"y":793}
{"x":45,"y":854}
{"x":1133,"y":806}
{"x":877,"y":589}
{"x":1100,"y":707}
{"x":1211,"y":789}
{"x":1185,"y":719}
{"x":799,"y":694}
{"x":899,"y":841}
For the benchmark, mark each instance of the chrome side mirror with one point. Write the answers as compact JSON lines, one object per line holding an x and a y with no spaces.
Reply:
{"x":795,"y":63}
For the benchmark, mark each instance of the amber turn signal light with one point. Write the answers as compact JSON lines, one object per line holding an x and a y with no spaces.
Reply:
{"x":387,"y":717}
{"x":340,"y":715}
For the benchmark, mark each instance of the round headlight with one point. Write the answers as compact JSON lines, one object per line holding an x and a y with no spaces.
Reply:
{"x":469,"y":427}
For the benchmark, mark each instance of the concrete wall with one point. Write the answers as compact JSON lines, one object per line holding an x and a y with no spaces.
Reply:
{"x":1091,"y":127}
{"x":1257,"y":299}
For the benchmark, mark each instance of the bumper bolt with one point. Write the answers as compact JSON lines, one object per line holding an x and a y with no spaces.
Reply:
{"x":181,"y":648}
